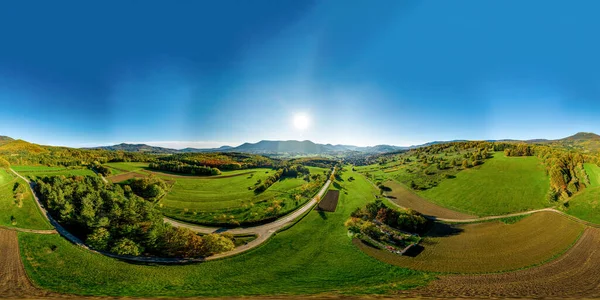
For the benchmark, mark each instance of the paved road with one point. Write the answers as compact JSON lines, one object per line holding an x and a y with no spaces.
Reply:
{"x":263,"y":232}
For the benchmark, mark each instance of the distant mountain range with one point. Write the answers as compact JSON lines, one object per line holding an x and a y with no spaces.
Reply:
{"x":583,"y":141}
{"x":262,"y":147}
{"x":590,"y":140}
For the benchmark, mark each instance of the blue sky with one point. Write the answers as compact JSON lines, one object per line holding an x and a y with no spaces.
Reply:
{"x":203,"y":74}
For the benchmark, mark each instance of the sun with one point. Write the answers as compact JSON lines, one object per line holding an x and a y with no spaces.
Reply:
{"x":301,"y":121}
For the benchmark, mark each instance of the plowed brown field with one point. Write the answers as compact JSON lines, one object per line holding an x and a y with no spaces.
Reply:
{"x":13,"y":279}
{"x":575,"y":274}
{"x":125,"y":176}
{"x":330,"y":201}
{"x":488,"y":247}
{"x":406,"y":198}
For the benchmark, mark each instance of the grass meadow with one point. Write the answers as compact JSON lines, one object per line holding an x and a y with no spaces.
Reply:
{"x":11,"y":215}
{"x":315,"y":255}
{"x":33,"y":172}
{"x":586,"y":204}
{"x":501,"y":185}
{"x":229,"y":199}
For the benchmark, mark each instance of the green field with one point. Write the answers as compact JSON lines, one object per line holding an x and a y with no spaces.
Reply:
{"x":39,"y":171}
{"x":28,"y":215}
{"x":586,"y":204}
{"x":230,"y":199}
{"x":316,"y":255}
{"x":501,"y":185}
{"x":593,"y":172}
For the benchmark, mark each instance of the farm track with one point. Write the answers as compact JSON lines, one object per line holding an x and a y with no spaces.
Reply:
{"x":263,"y":232}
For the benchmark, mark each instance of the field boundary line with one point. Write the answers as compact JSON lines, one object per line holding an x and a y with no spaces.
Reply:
{"x":38,"y":231}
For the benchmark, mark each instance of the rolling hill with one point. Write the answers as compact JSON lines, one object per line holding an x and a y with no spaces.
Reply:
{"x":5,"y":139}
{"x":138,"y":148}
{"x":586,"y":142}
{"x":262,"y":147}
{"x":20,"y":146}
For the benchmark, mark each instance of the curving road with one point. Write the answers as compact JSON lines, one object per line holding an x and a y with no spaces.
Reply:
{"x":263,"y":232}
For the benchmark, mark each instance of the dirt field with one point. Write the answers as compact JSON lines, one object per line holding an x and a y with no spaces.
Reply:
{"x":13,"y":279}
{"x":330,"y":201}
{"x":406,"y":198}
{"x":487,"y":247}
{"x":125,"y":176}
{"x":575,"y":274}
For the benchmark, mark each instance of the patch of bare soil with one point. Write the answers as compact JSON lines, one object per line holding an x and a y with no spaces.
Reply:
{"x":125,"y":176}
{"x":330,"y":201}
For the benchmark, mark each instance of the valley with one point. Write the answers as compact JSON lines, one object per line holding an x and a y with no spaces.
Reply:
{"x":305,"y":245}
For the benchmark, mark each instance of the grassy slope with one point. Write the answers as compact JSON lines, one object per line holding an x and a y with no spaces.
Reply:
{"x":315,"y":255}
{"x":214,"y":194}
{"x":593,"y":172}
{"x":28,"y":215}
{"x":502,"y":185}
{"x":40,"y":171}
{"x":209,"y":200}
{"x":585,"y":205}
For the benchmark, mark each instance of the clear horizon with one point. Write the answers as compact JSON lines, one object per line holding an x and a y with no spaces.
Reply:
{"x":396,"y":72}
{"x":178,"y":145}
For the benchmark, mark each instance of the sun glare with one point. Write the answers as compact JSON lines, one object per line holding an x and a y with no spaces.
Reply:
{"x":301,"y":121}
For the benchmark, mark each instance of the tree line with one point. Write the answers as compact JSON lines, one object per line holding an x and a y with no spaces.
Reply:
{"x":184,"y":168}
{"x":287,"y":171}
{"x":223,"y":161}
{"x":70,"y":157}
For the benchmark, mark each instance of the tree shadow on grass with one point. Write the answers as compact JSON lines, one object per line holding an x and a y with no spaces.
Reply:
{"x":337,"y":185}
{"x":322,"y":214}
